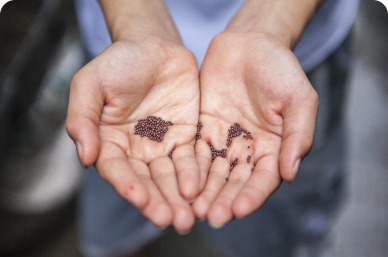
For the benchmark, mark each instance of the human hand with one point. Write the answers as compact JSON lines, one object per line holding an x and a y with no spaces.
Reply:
{"x":255,"y":80}
{"x":131,"y":80}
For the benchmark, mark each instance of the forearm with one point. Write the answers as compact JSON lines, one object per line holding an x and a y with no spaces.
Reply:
{"x":283,"y":19}
{"x":131,"y":18}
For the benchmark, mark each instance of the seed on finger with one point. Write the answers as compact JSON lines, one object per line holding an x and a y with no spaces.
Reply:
{"x":233,"y":164}
{"x":254,"y":166}
{"x":199,"y":127}
{"x":215,"y":152}
{"x":248,"y":159}
{"x":170,"y":154}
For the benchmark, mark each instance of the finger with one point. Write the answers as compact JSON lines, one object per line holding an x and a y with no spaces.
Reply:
{"x":164,"y":176}
{"x":204,"y":160}
{"x":158,"y":211}
{"x":263,"y":182}
{"x":217,"y":178}
{"x":220,"y":211}
{"x":114,"y":168}
{"x":83,"y":116}
{"x":298,"y":135}
{"x":187,"y":171}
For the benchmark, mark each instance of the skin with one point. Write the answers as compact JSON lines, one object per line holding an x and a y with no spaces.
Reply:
{"x":249,"y":76}
{"x":267,"y":93}
{"x":139,"y":75}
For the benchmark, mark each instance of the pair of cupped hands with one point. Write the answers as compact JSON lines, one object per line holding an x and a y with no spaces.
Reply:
{"x":248,"y":78}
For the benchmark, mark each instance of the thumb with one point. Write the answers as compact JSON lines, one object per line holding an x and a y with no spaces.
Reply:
{"x":83,"y":116}
{"x":298,"y":134}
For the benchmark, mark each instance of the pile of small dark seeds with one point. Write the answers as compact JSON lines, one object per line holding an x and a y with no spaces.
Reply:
{"x":216,"y":152}
{"x":170,"y":154}
{"x":233,"y":164}
{"x":248,"y":159}
{"x":236,"y":130}
{"x":199,"y":127}
{"x":153,"y":127}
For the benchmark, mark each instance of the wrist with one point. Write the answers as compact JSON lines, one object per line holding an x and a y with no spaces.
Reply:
{"x":277,"y":33}
{"x":128,"y":28}
{"x":281,"y":19}
{"x":128,"y":19}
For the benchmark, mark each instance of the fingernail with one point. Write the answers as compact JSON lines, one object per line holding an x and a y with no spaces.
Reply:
{"x":80,"y":153}
{"x":183,"y":233}
{"x":296,"y":168}
{"x":216,"y":226}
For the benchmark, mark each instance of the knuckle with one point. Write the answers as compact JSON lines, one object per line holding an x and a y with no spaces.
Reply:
{"x":164,"y":175}
{"x":237,"y":181}
{"x":216,"y":174}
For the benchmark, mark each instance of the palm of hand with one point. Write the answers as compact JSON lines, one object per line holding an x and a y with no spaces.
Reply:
{"x":139,"y":79}
{"x":256,"y":84}
{"x":158,"y":82}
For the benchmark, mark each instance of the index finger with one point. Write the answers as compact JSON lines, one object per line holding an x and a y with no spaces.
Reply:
{"x":263,"y":182}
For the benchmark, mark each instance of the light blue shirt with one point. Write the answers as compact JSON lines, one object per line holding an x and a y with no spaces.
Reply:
{"x":198,"y":21}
